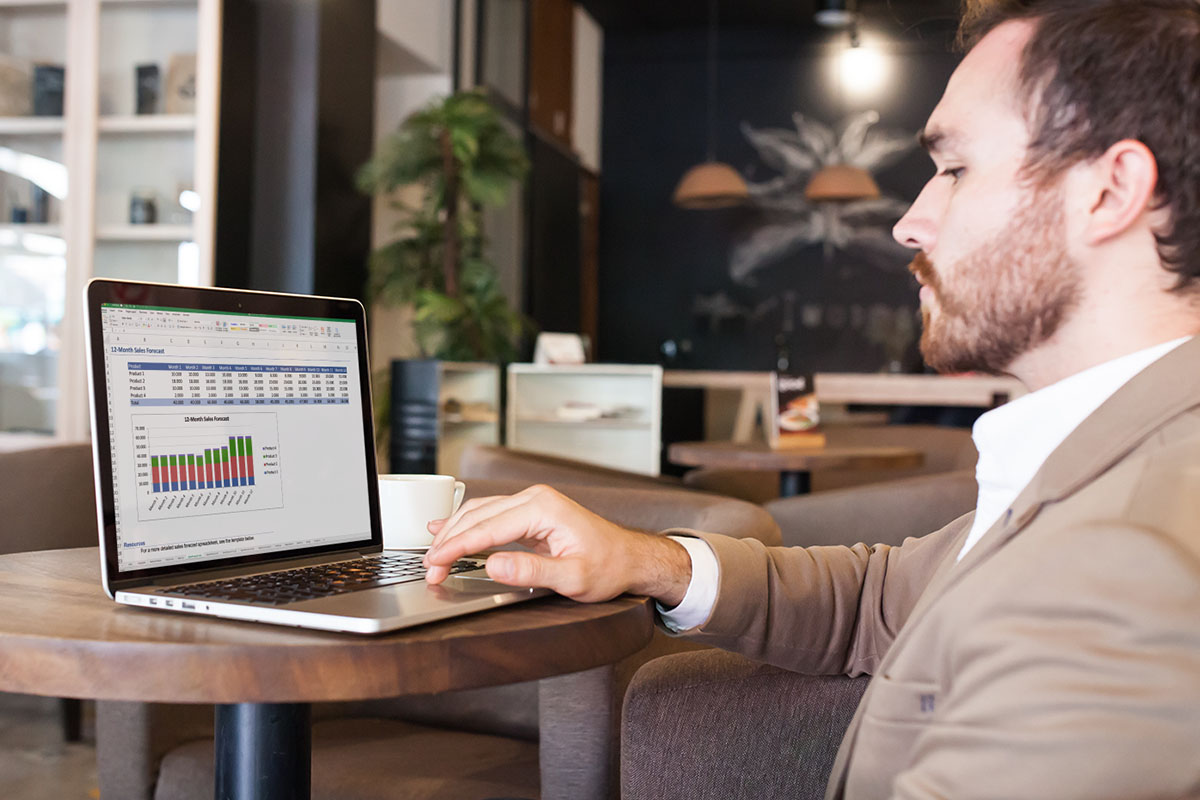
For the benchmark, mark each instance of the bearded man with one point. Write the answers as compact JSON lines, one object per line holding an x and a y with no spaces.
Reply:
{"x":1047,"y":644}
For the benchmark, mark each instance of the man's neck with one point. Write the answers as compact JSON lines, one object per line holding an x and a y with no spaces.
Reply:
{"x":1082,"y":346}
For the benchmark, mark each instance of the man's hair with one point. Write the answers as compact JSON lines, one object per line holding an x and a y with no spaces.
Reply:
{"x":1095,"y":72}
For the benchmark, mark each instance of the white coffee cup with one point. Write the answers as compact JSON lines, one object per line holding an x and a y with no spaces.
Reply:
{"x":408,"y":503}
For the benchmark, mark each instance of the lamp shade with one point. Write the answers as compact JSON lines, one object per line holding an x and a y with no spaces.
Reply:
{"x":841,"y":182}
{"x":711,"y":185}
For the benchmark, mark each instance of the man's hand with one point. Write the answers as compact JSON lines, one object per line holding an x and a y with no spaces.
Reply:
{"x":575,"y":552}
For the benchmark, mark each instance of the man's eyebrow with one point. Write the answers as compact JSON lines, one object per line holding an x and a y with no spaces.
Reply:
{"x":936,"y":140}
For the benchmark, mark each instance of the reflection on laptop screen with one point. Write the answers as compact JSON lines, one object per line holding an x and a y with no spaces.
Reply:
{"x":232,"y":434}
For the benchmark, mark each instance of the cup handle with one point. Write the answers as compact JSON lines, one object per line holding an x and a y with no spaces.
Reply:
{"x":460,"y":489}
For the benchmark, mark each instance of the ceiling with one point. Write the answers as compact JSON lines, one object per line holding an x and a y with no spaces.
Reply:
{"x":663,"y":15}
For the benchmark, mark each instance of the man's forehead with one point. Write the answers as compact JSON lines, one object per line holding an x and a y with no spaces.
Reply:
{"x":982,"y":89}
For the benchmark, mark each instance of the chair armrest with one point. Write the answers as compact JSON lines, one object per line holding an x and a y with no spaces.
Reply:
{"x":711,"y":725}
{"x":879,"y":513}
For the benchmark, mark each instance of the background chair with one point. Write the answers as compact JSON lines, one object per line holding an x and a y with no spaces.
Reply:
{"x":887,"y":512}
{"x":477,"y":743}
{"x":47,"y":502}
{"x":489,"y":462}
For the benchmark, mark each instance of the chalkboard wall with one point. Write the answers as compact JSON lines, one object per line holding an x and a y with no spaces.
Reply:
{"x":666,"y":292}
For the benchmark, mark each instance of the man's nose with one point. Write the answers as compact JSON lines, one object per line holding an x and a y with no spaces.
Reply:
{"x":916,"y":229}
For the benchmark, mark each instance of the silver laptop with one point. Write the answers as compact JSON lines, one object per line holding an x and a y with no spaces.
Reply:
{"x":235,"y":466}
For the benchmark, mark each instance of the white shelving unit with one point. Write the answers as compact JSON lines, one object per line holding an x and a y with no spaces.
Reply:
{"x":148,"y":123}
{"x":145,"y":233}
{"x":474,"y":389}
{"x":627,"y":435}
{"x":105,"y":153}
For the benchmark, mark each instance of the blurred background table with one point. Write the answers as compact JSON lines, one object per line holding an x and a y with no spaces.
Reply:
{"x":794,"y":465}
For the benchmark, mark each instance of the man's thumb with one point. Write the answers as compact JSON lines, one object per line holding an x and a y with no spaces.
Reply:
{"x":518,"y":569}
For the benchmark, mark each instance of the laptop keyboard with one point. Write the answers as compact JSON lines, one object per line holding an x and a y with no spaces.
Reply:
{"x":324,"y":580}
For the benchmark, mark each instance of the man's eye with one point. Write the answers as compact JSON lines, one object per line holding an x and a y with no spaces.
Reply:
{"x":953,"y":172}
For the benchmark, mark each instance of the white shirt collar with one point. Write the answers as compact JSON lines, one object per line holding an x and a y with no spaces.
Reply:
{"x":1015,"y":439}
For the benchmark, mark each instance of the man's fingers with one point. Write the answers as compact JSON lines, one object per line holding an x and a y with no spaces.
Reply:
{"x":436,"y":574}
{"x":472,"y":513}
{"x":510,"y":525}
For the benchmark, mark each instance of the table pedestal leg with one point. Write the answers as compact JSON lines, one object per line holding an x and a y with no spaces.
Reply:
{"x":264,"y":751}
{"x":793,"y":482}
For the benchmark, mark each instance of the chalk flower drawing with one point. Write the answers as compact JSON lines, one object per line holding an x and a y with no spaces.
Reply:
{"x":792,"y":222}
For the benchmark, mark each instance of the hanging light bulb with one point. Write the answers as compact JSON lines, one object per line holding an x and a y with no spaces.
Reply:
{"x":711,"y":184}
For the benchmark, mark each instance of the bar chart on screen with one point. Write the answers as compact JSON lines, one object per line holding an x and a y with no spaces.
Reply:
{"x":206,"y":462}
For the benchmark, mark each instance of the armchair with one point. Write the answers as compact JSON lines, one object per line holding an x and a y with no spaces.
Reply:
{"x":712,"y":725}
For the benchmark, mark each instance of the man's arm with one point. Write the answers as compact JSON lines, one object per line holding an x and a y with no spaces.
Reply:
{"x":823,"y":610}
{"x":819,"y":610}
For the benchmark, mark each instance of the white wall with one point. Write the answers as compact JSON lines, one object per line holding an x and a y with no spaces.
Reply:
{"x":415,"y":52}
{"x":425,"y":28}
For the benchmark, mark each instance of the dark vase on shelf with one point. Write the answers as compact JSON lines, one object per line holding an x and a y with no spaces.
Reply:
{"x":48,"y":83}
{"x":414,"y":416}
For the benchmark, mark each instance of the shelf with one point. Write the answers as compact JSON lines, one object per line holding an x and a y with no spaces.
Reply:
{"x":451,"y":420}
{"x":619,"y":424}
{"x":145,"y":233}
{"x":43,"y":240}
{"x":31,"y":126}
{"x":39,"y":4}
{"x":145,"y":3}
{"x":31,"y":227}
{"x":149,"y":123}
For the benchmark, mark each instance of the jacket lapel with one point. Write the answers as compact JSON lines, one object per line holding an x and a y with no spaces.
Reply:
{"x":1168,"y":387}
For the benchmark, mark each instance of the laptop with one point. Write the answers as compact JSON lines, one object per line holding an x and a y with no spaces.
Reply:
{"x":235,"y":464}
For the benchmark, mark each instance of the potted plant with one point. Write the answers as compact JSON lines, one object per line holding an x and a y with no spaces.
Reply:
{"x":457,"y":150}
{"x":460,"y":155}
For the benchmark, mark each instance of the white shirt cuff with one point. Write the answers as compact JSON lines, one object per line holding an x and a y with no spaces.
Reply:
{"x":701,"y":593}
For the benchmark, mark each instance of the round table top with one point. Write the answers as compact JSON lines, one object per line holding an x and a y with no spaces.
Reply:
{"x":61,"y":636}
{"x":760,"y":456}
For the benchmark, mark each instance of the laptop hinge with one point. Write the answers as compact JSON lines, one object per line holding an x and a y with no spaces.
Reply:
{"x":239,"y":570}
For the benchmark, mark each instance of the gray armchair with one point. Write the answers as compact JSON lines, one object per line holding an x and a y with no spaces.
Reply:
{"x":886,"y":512}
{"x":715,"y":726}
{"x":477,"y":743}
{"x":48,"y":502}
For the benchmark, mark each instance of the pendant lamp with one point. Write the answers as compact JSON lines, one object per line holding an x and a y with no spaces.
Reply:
{"x":711,"y":184}
{"x":841,"y":182}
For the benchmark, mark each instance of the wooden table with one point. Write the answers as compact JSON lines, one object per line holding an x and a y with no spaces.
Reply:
{"x":61,"y":636}
{"x":794,"y":465}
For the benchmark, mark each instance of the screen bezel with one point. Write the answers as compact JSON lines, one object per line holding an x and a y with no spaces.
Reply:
{"x":235,"y":301}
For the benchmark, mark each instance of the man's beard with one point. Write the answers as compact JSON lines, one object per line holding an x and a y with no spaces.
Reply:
{"x":1009,"y":295}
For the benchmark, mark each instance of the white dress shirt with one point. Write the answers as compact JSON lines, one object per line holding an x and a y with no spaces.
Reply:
{"x":1013,"y":441}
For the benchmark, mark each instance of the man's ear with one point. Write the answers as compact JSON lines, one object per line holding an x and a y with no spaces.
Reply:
{"x":1121,"y":183}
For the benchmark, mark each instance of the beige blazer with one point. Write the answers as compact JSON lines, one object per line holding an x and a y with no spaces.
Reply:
{"x":1059,"y":659}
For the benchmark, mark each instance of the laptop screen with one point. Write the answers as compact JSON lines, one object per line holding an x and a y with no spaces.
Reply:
{"x":232,"y":434}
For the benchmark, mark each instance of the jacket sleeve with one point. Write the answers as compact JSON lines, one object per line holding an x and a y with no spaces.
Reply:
{"x":819,"y":610}
{"x":1083,"y":684}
